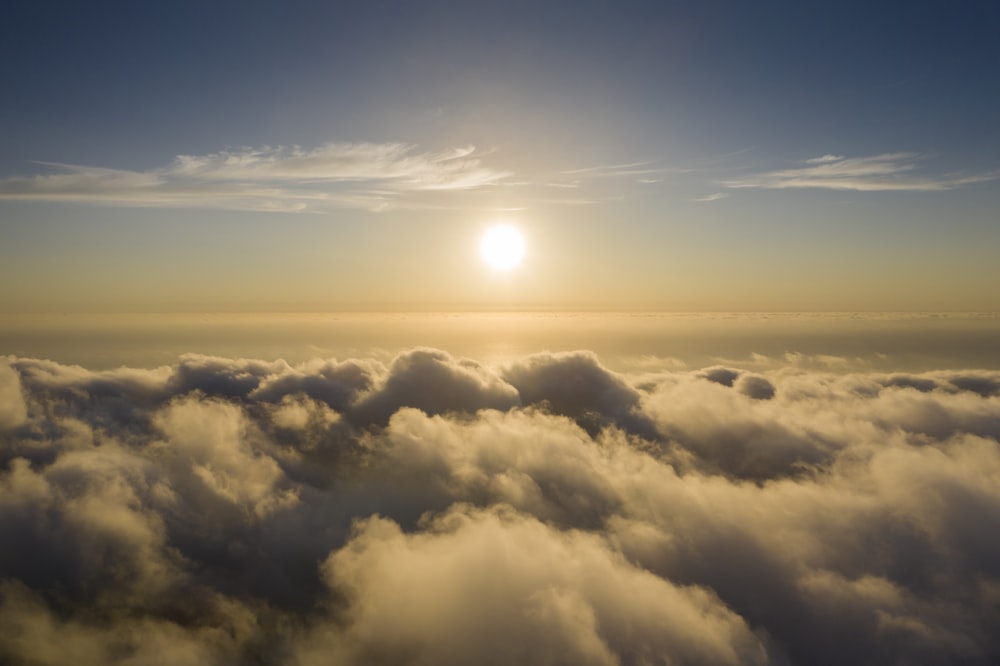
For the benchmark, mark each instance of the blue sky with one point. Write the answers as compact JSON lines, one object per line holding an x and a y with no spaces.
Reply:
{"x":308,"y":155}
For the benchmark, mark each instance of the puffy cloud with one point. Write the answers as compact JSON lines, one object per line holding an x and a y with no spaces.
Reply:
{"x":439,"y":510}
{"x":337,"y":384}
{"x":80,"y":527}
{"x":577,"y":385}
{"x":434,"y":382}
{"x":733,"y":430}
{"x":983,"y":385}
{"x":500,"y":587}
{"x":540,"y":463}
{"x":720,"y":375}
{"x":922,"y":384}
{"x":756,"y":387}
{"x":208,"y":448}
{"x":219,"y":376}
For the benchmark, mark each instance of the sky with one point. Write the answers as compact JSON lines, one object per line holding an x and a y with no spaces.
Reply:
{"x":331,"y":156}
{"x":265,"y":399}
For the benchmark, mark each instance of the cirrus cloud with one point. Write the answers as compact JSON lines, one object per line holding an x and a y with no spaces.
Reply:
{"x":371,"y":176}
{"x":877,"y":173}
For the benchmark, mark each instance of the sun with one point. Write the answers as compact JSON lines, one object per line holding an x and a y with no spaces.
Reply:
{"x":502,"y":247}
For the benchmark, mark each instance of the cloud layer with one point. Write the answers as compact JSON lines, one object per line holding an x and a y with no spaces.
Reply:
{"x":290,"y":179}
{"x":436,"y":510}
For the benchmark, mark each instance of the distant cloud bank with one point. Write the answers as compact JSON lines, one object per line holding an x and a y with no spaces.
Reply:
{"x":290,"y":179}
{"x":436,"y":510}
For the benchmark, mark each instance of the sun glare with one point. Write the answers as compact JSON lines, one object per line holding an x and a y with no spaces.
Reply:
{"x":502,"y":247}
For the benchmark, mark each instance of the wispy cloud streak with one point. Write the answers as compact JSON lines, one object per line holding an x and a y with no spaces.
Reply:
{"x":355,"y":175}
{"x":616,"y":170}
{"x":644,"y":172}
{"x":887,"y":172}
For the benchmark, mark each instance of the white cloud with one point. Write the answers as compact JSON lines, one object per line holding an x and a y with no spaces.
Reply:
{"x":356,"y":175}
{"x":887,"y":172}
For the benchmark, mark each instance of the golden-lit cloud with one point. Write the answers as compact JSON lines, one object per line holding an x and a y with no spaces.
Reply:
{"x":439,"y":510}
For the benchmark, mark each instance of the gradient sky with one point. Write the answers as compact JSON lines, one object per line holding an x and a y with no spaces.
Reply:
{"x":315,"y":156}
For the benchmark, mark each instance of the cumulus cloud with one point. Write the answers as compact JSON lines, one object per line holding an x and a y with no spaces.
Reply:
{"x":555,"y":596}
{"x":285,"y":178}
{"x":876,"y":173}
{"x":438,"y":510}
{"x":434,"y":382}
{"x":577,"y":385}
